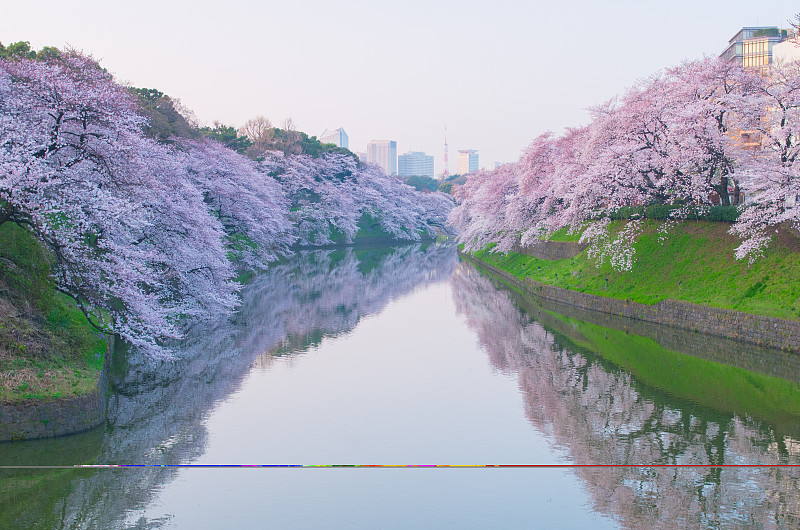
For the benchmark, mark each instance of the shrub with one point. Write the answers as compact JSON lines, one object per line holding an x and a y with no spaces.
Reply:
{"x":659,"y":211}
{"x":626,"y":212}
{"x":727,"y":214}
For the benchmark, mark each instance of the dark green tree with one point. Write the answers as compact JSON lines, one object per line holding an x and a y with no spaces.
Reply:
{"x":166,"y":118}
{"x":228,"y":136}
{"x":21,"y":49}
{"x":422,"y":183}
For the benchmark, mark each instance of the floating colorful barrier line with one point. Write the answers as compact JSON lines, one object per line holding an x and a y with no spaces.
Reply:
{"x":394,"y":466}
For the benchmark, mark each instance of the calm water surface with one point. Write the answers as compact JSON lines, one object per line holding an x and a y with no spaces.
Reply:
{"x":406,"y":356}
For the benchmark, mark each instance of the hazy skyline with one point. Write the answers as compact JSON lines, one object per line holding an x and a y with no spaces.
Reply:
{"x":496,"y":75}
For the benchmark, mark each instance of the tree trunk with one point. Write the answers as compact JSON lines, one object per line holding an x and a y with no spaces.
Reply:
{"x":722,"y":191}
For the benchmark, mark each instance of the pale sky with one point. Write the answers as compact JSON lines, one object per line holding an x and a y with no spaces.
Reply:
{"x":496,"y":74}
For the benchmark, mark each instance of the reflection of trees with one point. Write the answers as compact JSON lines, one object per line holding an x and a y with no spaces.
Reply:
{"x":601,"y":415}
{"x":156,"y":411}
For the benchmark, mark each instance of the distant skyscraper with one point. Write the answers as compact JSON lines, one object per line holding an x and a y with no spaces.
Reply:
{"x":415,"y":163}
{"x":467,"y":161}
{"x":384,"y":154}
{"x":337,"y":137}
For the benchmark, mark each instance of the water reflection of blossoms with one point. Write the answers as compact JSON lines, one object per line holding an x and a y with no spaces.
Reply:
{"x":602,"y":415}
{"x":156,"y":410}
{"x":319,"y":293}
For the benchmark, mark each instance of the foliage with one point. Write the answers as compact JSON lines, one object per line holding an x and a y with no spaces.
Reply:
{"x":166,"y":118}
{"x":17,"y":50}
{"x":422,"y":183}
{"x":626,"y":212}
{"x":227,"y":136}
{"x":663,"y":212}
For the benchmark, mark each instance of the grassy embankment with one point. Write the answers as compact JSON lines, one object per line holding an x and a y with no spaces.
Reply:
{"x":694,"y":264}
{"x":48,"y":350}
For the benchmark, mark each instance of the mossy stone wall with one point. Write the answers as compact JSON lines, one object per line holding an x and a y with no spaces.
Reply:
{"x":46,"y":419}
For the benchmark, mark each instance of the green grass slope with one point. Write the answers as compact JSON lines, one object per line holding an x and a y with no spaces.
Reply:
{"x":48,"y":350}
{"x":694,"y":264}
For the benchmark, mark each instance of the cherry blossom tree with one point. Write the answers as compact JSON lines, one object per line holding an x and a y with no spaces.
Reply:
{"x":706,"y":92}
{"x":330,"y":194}
{"x":401,"y":211}
{"x":250,"y":205}
{"x":771,"y":171}
{"x":673,"y":139}
{"x":530,"y":211}
{"x":479,"y":216}
{"x":142,"y":234}
{"x":129,"y":233}
{"x":319,"y":203}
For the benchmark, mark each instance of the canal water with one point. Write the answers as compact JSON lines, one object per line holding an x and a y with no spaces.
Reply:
{"x":406,"y":356}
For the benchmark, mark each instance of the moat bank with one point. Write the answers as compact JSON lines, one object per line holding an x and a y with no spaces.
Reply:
{"x":32,"y":419}
{"x":695,"y":263}
{"x":735,"y":325}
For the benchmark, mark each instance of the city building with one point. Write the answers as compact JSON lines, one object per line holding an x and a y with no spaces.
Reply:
{"x":384,"y":154}
{"x":415,"y":163}
{"x":752,"y":46}
{"x":467,"y":161}
{"x":786,"y":52}
{"x":337,"y":137}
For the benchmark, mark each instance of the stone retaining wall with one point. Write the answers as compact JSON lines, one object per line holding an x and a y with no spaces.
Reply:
{"x":32,"y":419}
{"x":735,"y":325}
{"x":752,"y":357}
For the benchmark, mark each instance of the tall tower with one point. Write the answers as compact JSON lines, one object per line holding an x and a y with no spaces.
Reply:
{"x":445,"y":172}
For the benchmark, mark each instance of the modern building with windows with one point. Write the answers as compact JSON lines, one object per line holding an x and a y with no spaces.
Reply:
{"x":384,"y":154}
{"x":467,"y":161}
{"x":337,"y":137}
{"x":415,"y":163}
{"x":752,"y":46}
